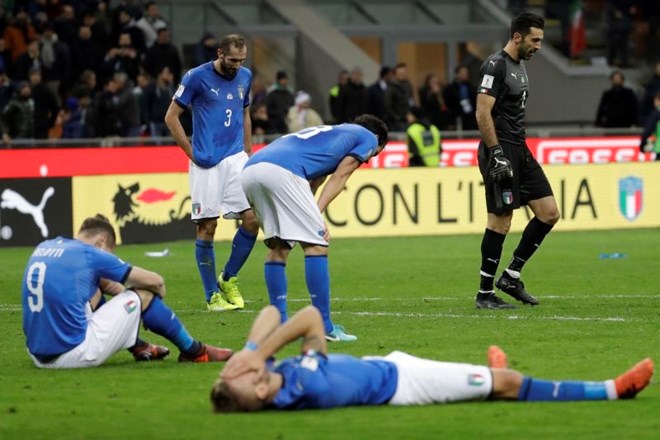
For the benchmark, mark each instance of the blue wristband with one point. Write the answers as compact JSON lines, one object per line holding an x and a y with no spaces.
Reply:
{"x":252,"y":346}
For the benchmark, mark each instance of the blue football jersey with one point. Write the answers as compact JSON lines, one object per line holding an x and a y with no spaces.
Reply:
{"x":217,"y":105}
{"x":316,"y":151}
{"x":317,"y":381}
{"x":61,"y":276}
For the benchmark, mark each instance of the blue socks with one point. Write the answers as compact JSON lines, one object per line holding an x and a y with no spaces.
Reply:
{"x":205,"y":256}
{"x":241,"y":247}
{"x":317,"y":276}
{"x":161,"y":320}
{"x":276,"y":282}
{"x":544,"y":390}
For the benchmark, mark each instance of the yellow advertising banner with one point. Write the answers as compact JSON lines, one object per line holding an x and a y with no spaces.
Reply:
{"x":387,"y":202}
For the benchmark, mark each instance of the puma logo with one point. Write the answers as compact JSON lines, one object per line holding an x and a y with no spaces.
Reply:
{"x":215,"y":91}
{"x":492,"y":260}
{"x":13,"y":200}
{"x":492,"y":62}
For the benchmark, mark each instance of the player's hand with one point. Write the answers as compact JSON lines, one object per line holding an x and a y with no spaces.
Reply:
{"x":243,"y":362}
{"x":499,"y":166}
{"x":326,"y":232}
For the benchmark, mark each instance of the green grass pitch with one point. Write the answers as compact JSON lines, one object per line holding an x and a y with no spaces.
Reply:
{"x":597,"y":317}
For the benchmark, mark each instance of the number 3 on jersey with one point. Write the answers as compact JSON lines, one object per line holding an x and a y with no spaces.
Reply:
{"x":36,"y":275}
{"x":228,"y":121}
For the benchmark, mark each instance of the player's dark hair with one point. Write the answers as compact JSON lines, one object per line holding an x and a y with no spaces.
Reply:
{"x":99,"y":224}
{"x":374,"y":125}
{"x":222,"y":398}
{"x":524,"y":22}
{"x":238,"y":41}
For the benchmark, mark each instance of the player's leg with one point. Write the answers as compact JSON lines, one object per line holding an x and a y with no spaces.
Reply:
{"x":234,"y":204}
{"x":142,"y":350}
{"x":275,"y":274}
{"x":546,"y":214}
{"x":425,"y":381}
{"x":161,"y":320}
{"x":111,"y":328}
{"x":498,"y":224}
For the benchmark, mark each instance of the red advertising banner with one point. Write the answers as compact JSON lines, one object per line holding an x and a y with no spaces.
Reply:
{"x":64,"y":162}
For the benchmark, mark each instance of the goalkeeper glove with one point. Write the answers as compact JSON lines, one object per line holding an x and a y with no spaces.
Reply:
{"x":500,"y":167}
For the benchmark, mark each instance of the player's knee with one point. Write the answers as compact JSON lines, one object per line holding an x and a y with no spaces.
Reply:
{"x":278,"y":253}
{"x":506,"y":383}
{"x":145,"y":298}
{"x":552,"y":217}
{"x":206,"y":228}
{"x":249,"y":222}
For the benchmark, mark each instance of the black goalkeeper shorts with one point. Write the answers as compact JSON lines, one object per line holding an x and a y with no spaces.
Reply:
{"x":529,"y":181}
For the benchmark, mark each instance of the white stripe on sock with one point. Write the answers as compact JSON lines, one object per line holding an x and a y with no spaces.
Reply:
{"x":610,"y":388}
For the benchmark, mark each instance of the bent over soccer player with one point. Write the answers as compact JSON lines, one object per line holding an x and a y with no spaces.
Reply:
{"x":280,"y":182}
{"x":512,"y":177}
{"x":315,"y":379}
{"x":218,"y":93}
{"x":61,"y":278}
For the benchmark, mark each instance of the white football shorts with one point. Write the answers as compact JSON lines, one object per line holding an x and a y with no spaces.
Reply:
{"x":284,"y":204}
{"x":112,"y":327}
{"x":217,"y":191}
{"x":423,"y":381}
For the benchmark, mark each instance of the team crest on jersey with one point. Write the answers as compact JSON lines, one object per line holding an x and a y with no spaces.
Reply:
{"x":241,"y":92}
{"x":631,"y":195}
{"x":230,"y":96}
{"x":476,"y":380}
{"x":130,"y":306}
{"x":196,"y":208}
{"x":507,"y":197}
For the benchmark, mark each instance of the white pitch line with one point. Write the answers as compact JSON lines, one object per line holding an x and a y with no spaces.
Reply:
{"x":458,"y":315}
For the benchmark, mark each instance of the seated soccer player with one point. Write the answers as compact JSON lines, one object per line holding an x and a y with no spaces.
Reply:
{"x":64,"y":279}
{"x":315,"y":379}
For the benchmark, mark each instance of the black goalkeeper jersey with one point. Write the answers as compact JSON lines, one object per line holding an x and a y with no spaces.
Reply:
{"x":506,"y":80}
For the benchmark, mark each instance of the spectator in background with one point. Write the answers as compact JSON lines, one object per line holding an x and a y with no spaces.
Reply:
{"x":461,"y":99}
{"x":278,"y":102}
{"x":100,"y":35}
{"x":86,"y":85}
{"x":333,"y":95}
{"x":127,"y":106}
{"x":651,"y":133}
{"x":260,"y":123}
{"x":85,"y":53}
{"x":66,"y":26}
{"x":651,"y":89}
{"x":163,"y":54}
{"x":7,"y":87}
{"x":73,"y":119}
{"x":55,"y":61}
{"x":126,"y":25}
{"x":353,"y":99}
{"x":103,"y":118}
{"x":18,"y":35}
{"x":5,"y":59}
{"x":17,"y":121}
{"x":157,"y":97}
{"x":259,"y":92}
{"x":122,"y":58}
{"x":399,"y":98}
{"x":205,"y":50}
{"x":430,"y":101}
{"x":376,"y":94}
{"x":619,"y":27}
{"x":618,"y":105}
{"x":46,"y":106}
{"x":424,"y":142}
{"x":40,"y":21}
{"x":301,"y":114}
{"x":30,"y":59}
{"x":150,"y":23}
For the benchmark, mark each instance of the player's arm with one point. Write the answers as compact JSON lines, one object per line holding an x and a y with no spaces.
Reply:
{"x":247,"y":131}
{"x":110,"y":287}
{"x":307,"y":323}
{"x":485,"y":104}
{"x":139,"y":278}
{"x":176,"y":128}
{"x":338,"y":180}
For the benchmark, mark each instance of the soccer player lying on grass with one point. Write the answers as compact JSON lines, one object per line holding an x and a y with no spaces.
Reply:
{"x":64,"y":275}
{"x":315,"y":379}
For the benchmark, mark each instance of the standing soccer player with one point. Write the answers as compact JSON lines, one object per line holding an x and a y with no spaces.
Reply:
{"x":280,"y":182}
{"x":218,"y":93}
{"x":512,"y":176}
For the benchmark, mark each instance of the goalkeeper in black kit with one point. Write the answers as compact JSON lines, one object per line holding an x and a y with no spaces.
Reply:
{"x":512,"y":176}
